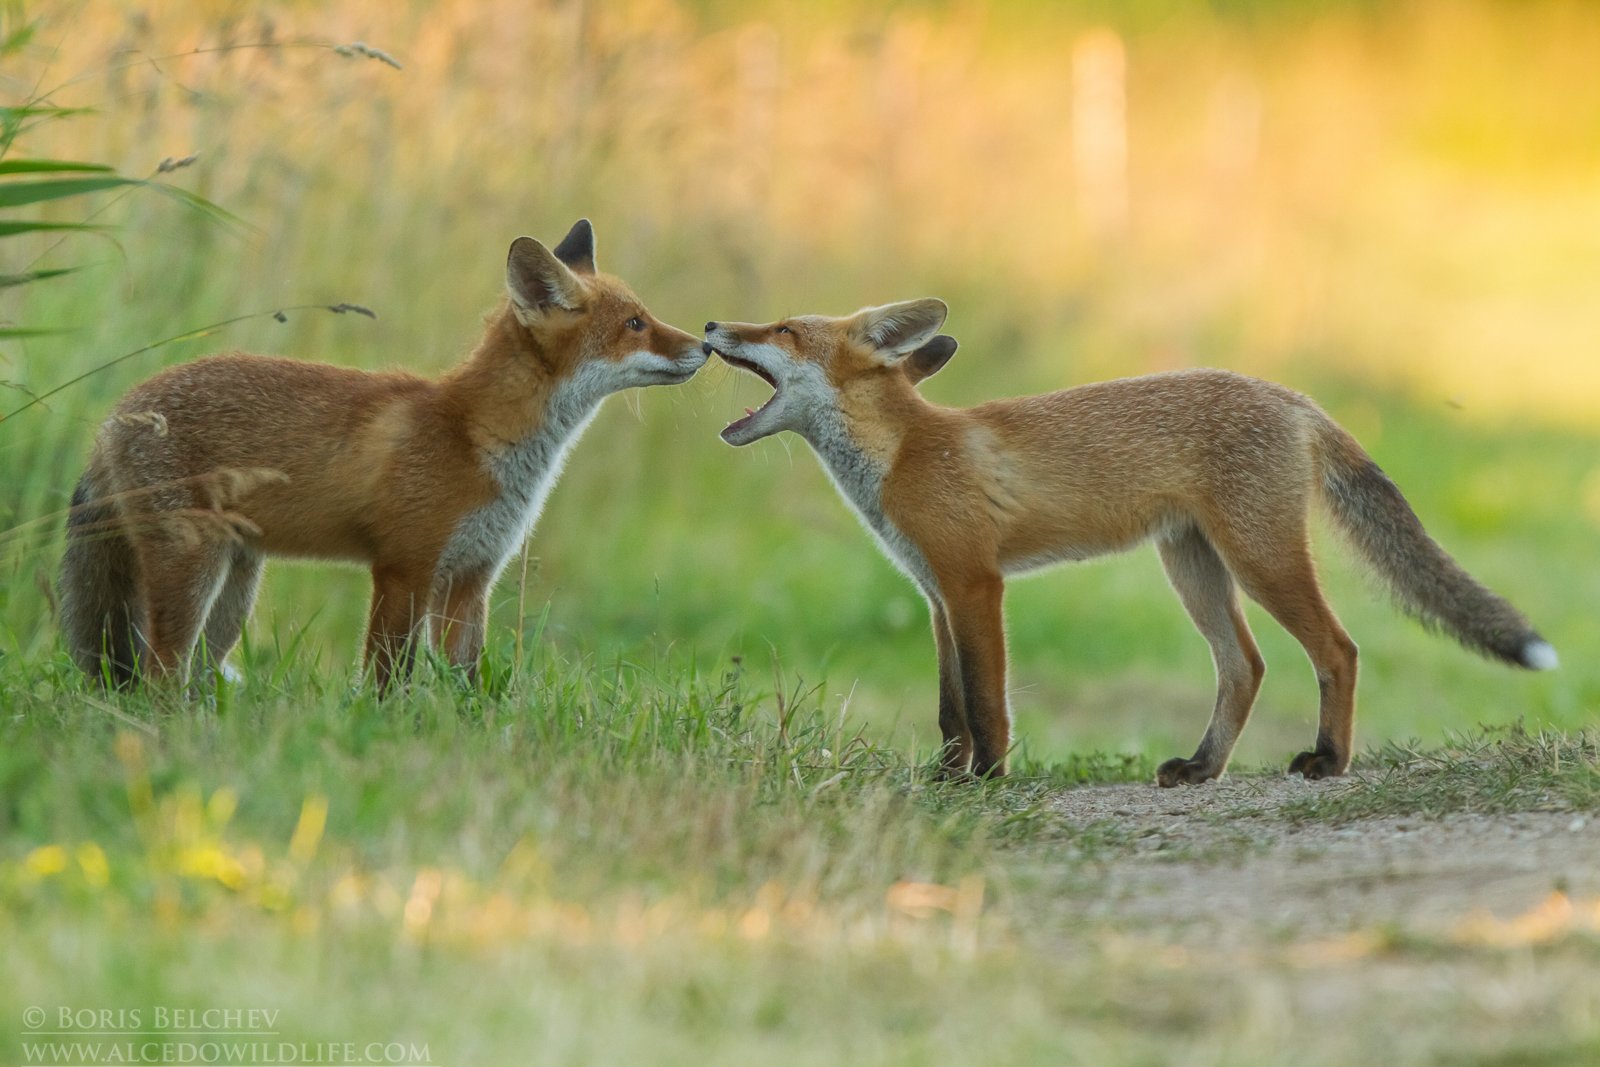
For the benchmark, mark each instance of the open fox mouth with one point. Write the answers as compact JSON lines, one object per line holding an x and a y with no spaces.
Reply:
{"x":749,"y":415}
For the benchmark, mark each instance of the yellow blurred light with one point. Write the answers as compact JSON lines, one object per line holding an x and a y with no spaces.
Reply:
{"x":45,"y":861}
{"x":308,"y":830}
{"x":92,"y":861}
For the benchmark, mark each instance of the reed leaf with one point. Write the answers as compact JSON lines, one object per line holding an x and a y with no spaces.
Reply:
{"x":12,"y":227}
{"x":37,"y":166}
{"x":8,"y":281}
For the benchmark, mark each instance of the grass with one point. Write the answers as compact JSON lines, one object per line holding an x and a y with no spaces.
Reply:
{"x":643,"y":825}
{"x":608,"y":862}
{"x":1483,"y":772}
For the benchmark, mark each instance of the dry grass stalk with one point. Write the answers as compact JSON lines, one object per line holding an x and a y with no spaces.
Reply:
{"x":154,"y":420}
{"x":361,"y":48}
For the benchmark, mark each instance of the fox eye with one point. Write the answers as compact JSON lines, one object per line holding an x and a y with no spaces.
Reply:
{"x":636,"y":324}
{"x":783,"y":329}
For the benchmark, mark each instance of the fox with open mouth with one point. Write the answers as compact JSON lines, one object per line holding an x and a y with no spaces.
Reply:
{"x":1219,"y":469}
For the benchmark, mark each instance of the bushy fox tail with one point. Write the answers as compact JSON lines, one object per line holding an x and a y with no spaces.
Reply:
{"x":1426,"y":582}
{"x":98,"y":608}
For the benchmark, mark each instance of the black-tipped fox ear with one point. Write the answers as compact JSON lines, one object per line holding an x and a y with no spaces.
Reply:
{"x":926,"y":361}
{"x":576,"y":249}
{"x":537,"y":281}
{"x":897,"y":330}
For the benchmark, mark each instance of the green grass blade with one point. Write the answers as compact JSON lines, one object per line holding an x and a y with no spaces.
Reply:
{"x":200,"y":204}
{"x":187,"y":335}
{"x":16,"y":194}
{"x":8,"y":281}
{"x":41,"y":166}
{"x":27,"y":111}
{"x":12,"y":227}
{"x":18,"y":39}
{"x":14,"y":120}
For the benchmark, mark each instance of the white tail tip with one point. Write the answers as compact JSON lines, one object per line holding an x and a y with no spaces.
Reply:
{"x":1539,"y":656}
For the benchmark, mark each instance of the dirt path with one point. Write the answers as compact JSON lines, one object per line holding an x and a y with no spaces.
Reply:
{"x":1221,"y":865}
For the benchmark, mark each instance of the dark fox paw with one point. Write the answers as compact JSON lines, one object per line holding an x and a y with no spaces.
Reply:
{"x":983,"y":769}
{"x":1317,"y":765}
{"x":1180,"y":771}
{"x":955,"y":762}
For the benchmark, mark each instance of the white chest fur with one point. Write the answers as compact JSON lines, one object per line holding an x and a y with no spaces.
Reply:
{"x":859,"y":479}
{"x":525,"y":472}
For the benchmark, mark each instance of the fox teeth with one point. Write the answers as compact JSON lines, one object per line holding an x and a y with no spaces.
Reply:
{"x":749,"y":411}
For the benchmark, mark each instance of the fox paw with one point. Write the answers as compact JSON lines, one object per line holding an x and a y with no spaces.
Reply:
{"x":1180,"y":771}
{"x":1316,"y":765}
{"x":982,"y":770}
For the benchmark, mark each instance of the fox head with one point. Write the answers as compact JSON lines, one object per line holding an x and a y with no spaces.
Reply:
{"x":589,"y":324}
{"x":811,"y":361}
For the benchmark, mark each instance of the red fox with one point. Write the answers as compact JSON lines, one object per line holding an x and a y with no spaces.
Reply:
{"x":1218,"y":469}
{"x":207,"y":468}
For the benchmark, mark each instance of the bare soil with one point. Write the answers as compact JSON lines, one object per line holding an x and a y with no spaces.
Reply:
{"x":1220,"y":865}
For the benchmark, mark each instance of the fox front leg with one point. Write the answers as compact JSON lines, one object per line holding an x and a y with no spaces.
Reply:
{"x":977,"y":628}
{"x":957,"y":753}
{"x":399,"y":600}
{"x":461,"y":618}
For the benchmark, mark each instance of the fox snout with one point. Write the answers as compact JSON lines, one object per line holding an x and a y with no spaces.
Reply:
{"x":692,"y":355}
{"x":683,"y":353}
{"x":727,"y":341}
{"x":721,"y":337}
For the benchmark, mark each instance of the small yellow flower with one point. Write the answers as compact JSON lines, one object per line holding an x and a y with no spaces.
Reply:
{"x":92,"y":861}
{"x":308,"y":832}
{"x":46,"y":860}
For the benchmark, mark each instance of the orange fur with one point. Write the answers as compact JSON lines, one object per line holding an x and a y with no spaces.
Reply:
{"x":1219,"y":469}
{"x":208,"y":467}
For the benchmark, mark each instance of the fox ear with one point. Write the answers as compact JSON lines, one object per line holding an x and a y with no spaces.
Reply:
{"x":576,"y":249}
{"x":896,"y":330}
{"x":537,"y":281}
{"x":926,"y":361}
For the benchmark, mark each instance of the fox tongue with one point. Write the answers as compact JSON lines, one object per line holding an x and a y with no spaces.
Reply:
{"x":749,"y":413}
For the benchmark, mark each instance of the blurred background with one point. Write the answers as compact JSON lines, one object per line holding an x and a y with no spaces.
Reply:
{"x":1392,"y":206}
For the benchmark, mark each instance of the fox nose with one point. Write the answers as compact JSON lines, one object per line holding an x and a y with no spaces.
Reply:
{"x":712,"y":326}
{"x":705,"y":346}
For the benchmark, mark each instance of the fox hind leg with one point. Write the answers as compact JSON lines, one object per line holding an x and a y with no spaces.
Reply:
{"x":101,"y":616}
{"x":1207,"y":591}
{"x":231,"y":608}
{"x":1283,"y":579}
{"x":179,"y":581}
